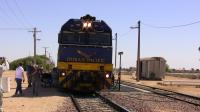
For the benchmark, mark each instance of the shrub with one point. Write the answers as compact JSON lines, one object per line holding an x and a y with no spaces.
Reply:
{"x":41,"y":61}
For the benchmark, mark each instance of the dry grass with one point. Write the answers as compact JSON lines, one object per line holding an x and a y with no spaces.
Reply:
{"x":185,"y":75}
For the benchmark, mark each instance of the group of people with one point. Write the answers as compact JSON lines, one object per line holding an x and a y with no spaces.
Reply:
{"x":33,"y":76}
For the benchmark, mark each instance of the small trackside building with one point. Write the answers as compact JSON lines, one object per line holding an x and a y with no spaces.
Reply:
{"x":152,"y":68}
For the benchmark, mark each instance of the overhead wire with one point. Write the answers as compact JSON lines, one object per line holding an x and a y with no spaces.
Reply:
{"x":21,"y":12}
{"x":5,"y":14}
{"x":170,"y":27}
{"x":14,"y":28}
{"x":125,"y":33}
{"x":3,"y":18}
{"x":13,"y":12}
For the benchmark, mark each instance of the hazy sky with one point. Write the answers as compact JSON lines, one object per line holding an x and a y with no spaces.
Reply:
{"x":179,"y":46}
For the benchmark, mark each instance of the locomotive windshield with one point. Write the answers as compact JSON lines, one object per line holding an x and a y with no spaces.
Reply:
{"x":99,"y":39}
{"x":83,"y":38}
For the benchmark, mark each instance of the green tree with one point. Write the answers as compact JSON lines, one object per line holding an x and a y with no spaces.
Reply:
{"x":167,"y":69}
{"x":41,"y":61}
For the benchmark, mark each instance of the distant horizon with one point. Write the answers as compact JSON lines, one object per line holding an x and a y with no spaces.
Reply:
{"x":112,"y":63}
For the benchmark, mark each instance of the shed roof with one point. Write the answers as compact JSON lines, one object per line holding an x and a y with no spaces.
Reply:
{"x":153,"y":59}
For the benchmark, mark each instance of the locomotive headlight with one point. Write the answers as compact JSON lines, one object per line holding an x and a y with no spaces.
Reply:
{"x":89,"y":25}
{"x":107,"y":75}
{"x":63,"y":74}
{"x":85,"y":24}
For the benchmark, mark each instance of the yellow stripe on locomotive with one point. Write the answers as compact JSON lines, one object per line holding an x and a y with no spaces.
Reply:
{"x":69,"y":68}
{"x":85,"y":66}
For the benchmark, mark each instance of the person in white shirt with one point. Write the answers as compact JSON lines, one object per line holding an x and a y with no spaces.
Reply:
{"x":19,"y":77}
{"x":3,"y":66}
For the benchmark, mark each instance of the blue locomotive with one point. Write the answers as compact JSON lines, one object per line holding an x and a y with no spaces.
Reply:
{"x":85,"y":55}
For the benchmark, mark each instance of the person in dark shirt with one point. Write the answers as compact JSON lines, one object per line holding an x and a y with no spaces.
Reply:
{"x":36,"y":80}
{"x":54,"y":75}
{"x":29,"y":71}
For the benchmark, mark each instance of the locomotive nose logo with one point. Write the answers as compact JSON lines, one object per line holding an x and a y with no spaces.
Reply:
{"x":84,"y":54}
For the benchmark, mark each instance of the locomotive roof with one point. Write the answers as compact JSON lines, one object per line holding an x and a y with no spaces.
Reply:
{"x":76,"y":24}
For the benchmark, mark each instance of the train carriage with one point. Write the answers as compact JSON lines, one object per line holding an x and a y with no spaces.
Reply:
{"x":85,"y":55}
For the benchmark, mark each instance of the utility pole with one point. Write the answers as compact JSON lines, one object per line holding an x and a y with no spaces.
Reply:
{"x":115,"y":52}
{"x":138,"y":54}
{"x":120,"y":68}
{"x":49,"y":56}
{"x":35,"y":31}
{"x":115,"y":71}
{"x":45,"y":51}
{"x":199,"y":48}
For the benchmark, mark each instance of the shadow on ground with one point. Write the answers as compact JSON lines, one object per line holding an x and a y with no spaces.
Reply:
{"x":43,"y":92}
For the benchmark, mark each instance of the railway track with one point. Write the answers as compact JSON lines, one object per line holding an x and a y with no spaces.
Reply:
{"x":97,"y":103}
{"x":170,"y":94}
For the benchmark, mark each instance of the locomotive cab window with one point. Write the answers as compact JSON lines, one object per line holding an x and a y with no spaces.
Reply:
{"x":83,"y":38}
{"x":69,"y":38}
{"x":99,"y":39}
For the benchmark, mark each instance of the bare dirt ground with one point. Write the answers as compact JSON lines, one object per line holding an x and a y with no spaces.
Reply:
{"x":49,"y":99}
{"x":190,"y":90}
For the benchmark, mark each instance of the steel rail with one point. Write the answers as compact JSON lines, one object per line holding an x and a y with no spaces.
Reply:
{"x":76,"y":104}
{"x":156,"y":91}
{"x":104,"y":99}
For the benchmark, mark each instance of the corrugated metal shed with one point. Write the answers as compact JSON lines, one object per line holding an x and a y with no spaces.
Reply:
{"x":152,"y":68}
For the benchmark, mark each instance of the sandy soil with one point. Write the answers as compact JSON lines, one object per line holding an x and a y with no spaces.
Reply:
{"x":49,"y":99}
{"x":191,"y":90}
